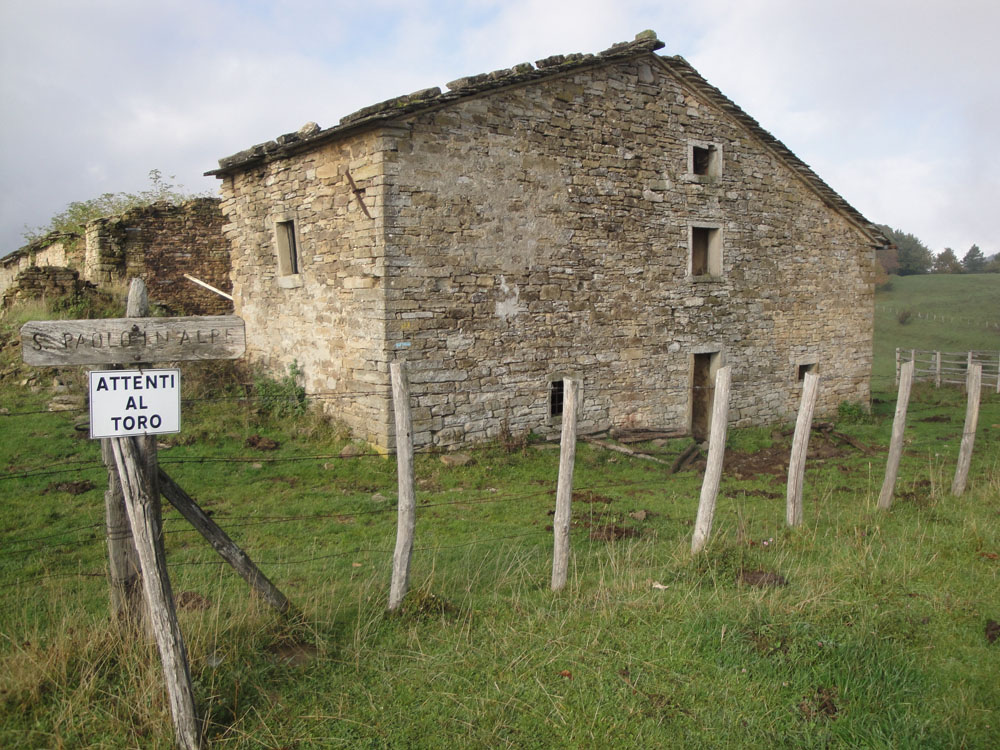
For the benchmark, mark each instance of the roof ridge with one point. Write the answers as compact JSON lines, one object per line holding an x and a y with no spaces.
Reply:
{"x":687,"y":73}
{"x":645,"y":42}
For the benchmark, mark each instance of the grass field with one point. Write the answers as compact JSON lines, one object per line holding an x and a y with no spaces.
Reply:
{"x":877,"y":633}
{"x":966,"y":308}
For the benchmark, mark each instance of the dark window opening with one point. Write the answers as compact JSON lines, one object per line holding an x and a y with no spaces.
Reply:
{"x":556,"y":398}
{"x":288,"y":256}
{"x":706,"y":251}
{"x":803,"y":369}
{"x":699,"y":251}
{"x":703,"y":158}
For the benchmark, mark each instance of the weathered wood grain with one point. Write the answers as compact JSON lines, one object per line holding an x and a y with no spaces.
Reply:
{"x":406,"y":508}
{"x":800,"y":446}
{"x":127,"y":341}
{"x":896,"y":441}
{"x":716,"y":454}
{"x":564,"y":488}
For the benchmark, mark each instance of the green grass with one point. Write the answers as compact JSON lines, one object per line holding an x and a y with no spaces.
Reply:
{"x":877,"y":640}
{"x":966,"y":308}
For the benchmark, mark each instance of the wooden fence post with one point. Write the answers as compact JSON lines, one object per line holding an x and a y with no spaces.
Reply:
{"x":564,"y":488}
{"x":998,"y":374}
{"x":937,"y":369}
{"x":221,"y":543}
{"x":123,"y":561}
{"x":896,"y":443}
{"x":897,"y":366}
{"x":406,"y":507}
{"x":716,"y":454}
{"x":138,"y":474}
{"x":973,"y":383}
{"x":800,"y":445}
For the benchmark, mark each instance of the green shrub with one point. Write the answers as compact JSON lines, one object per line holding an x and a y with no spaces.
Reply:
{"x":852,"y":412}
{"x":280,"y":397}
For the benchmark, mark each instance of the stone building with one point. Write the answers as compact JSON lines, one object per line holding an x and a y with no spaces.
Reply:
{"x":158,"y":243}
{"x":612,"y":218}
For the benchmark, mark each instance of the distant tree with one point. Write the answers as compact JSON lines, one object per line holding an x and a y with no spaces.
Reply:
{"x":974,"y":261}
{"x":993,"y":264}
{"x":889,"y":258}
{"x":914,"y":256}
{"x":947,"y":262}
{"x":75,"y":216}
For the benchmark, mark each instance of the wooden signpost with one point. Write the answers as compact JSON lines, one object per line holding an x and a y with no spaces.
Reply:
{"x":138,"y":405}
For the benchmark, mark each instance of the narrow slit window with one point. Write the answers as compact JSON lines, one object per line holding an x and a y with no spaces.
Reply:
{"x":288,"y":256}
{"x":556,"y":398}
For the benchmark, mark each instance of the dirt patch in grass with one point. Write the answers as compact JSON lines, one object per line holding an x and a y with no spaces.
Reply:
{"x":760,"y":578}
{"x":992,"y":631}
{"x":262,"y":443}
{"x":773,"y":461}
{"x":73,"y":488}
{"x":611,"y":532}
{"x":819,"y":705}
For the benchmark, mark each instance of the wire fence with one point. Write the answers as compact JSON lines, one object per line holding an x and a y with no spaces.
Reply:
{"x":951,"y":368}
{"x":959,"y":320}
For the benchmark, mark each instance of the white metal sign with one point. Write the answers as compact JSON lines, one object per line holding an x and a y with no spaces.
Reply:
{"x":134,"y":402}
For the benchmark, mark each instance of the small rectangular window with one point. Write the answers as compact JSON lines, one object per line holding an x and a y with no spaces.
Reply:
{"x":706,"y":251}
{"x":804,"y":368}
{"x":288,"y":256}
{"x":556,"y":398}
{"x":704,"y":160}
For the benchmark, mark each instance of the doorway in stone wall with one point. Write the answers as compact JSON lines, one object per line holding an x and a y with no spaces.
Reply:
{"x":703,"y":369}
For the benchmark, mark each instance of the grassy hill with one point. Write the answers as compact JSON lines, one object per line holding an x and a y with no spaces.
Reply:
{"x":949,"y":313}
{"x":859,"y":628}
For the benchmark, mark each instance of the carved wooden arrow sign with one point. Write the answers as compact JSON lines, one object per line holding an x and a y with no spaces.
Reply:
{"x":124,"y":341}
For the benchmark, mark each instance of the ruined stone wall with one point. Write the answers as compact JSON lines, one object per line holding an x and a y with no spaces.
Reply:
{"x":544,"y":230}
{"x":160,"y":243}
{"x":62,"y":250}
{"x":330,"y":316}
{"x":44,"y":281}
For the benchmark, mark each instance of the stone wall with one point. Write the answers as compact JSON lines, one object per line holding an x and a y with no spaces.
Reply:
{"x":160,"y":243}
{"x":543,"y":230}
{"x":44,"y":281}
{"x":61,"y":250}
{"x":329,"y":317}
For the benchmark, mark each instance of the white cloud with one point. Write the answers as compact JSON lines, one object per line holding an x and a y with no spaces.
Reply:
{"x":893,"y":102}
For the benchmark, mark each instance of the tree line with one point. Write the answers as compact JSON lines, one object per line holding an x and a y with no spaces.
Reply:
{"x":907,"y":255}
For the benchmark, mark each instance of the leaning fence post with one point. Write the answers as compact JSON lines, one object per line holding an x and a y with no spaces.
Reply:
{"x":123,"y":560}
{"x":138,"y":474}
{"x":716,"y":454}
{"x":564,"y":489}
{"x":973,"y":382}
{"x":406,"y":515}
{"x":896,"y":443}
{"x":800,"y":445}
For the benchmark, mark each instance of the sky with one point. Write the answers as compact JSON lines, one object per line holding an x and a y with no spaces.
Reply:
{"x":894,"y":103}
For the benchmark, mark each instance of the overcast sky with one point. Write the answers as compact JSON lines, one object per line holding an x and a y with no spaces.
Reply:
{"x":894,"y":103}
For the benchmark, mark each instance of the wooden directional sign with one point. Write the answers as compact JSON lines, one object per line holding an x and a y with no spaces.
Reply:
{"x":124,"y":341}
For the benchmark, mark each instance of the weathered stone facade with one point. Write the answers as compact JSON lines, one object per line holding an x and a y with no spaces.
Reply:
{"x":158,"y":243}
{"x":60,"y":250}
{"x":39,"y":282}
{"x":611,"y":218}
